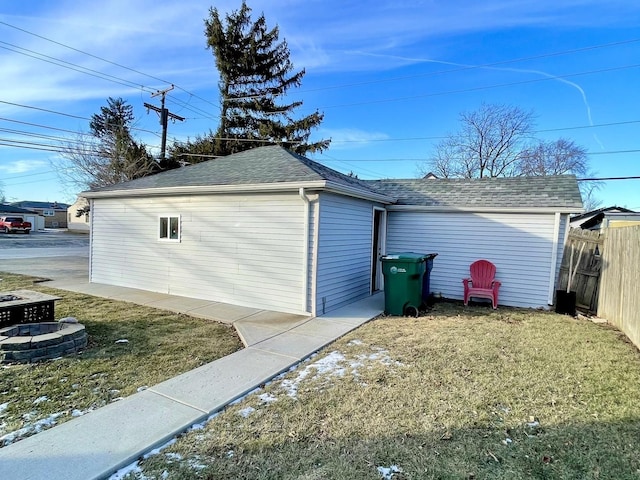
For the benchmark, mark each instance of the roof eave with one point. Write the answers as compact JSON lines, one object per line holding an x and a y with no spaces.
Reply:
{"x":356,"y":192}
{"x":245,"y":188}
{"x":205,"y":189}
{"x":481,"y":209}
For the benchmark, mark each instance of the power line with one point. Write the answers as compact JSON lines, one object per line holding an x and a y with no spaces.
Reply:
{"x":72,"y":66}
{"x":65,"y":114}
{"x":44,"y":110}
{"x":40,"y":125}
{"x":611,"y":152}
{"x":410,"y":139}
{"x":473,"y":67}
{"x":607,"y":179}
{"x":486,"y":87}
{"x":105,"y":60}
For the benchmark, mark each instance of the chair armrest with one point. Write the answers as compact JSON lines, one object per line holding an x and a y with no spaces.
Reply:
{"x":496,"y":283}
{"x":466,"y":281}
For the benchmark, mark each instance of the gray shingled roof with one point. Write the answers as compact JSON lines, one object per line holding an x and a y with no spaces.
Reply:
{"x":514,"y":192}
{"x":275,"y":164}
{"x":272,"y":164}
{"x":4,"y":208}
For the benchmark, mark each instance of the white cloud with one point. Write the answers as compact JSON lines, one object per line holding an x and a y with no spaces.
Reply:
{"x":344,"y":138}
{"x":22,"y":166}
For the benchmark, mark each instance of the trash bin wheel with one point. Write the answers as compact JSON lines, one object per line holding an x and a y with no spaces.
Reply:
{"x":411,"y":311}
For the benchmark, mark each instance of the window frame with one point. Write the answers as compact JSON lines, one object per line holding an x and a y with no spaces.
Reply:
{"x":48,"y":212}
{"x":159,"y":227}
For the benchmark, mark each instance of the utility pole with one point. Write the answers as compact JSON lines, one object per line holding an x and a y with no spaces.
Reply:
{"x":164,"y":118}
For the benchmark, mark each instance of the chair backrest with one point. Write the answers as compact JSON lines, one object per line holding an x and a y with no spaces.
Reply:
{"x":483,"y":272}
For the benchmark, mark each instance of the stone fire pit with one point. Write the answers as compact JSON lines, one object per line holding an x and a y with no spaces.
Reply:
{"x":32,"y":342}
{"x":26,"y":306}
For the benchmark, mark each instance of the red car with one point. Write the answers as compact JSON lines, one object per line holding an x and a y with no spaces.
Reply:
{"x":14,"y":224}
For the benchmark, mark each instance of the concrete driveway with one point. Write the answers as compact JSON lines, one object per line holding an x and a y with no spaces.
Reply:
{"x":52,"y":254}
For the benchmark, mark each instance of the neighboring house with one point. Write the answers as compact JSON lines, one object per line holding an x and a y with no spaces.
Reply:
{"x":36,"y":220}
{"x":593,"y":220}
{"x":54,"y":213}
{"x":270,"y":229}
{"x":620,"y":219}
{"x":75,"y":223}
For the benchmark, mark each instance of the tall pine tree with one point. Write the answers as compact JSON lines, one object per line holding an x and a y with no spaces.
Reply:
{"x":255,"y":74}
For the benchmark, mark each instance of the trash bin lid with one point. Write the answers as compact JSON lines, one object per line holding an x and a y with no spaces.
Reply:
{"x":406,"y":257}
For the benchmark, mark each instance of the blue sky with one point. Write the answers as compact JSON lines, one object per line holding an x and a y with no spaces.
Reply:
{"x":390,"y":76}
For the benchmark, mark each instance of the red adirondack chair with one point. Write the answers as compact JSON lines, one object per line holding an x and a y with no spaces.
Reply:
{"x":482,"y":282}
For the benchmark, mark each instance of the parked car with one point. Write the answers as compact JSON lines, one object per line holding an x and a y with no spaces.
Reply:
{"x":14,"y":224}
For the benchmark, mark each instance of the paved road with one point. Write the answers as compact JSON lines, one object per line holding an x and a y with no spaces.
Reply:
{"x":53,"y":254}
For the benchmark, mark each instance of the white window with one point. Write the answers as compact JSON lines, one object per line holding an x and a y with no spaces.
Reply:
{"x":48,"y":213}
{"x":169,"y":228}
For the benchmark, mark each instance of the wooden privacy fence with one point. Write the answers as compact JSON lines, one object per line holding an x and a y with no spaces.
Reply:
{"x":619,"y":299}
{"x":582,"y":262}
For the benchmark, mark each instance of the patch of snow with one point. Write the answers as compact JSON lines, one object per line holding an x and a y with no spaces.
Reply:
{"x":355,"y":342}
{"x":245,"y":412}
{"x":68,"y":320}
{"x":382,"y":356}
{"x":117,"y":399}
{"x":29,"y":415}
{"x":173,"y":456}
{"x":326,"y":365}
{"x":122,"y":340}
{"x":388,"y":472}
{"x":141,"y":389}
{"x":156,"y":451}
{"x":164,"y":475}
{"x":240,"y":399}
{"x":78,"y":413}
{"x":267,"y":398}
{"x":41,"y":399}
{"x":3,"y":407}
{"x":132,"y":468}
{"x":533,"y":424}
{"x":29,"y":429}
{"x":230,"y":454}
{"x":114,"y":392}
{"x":335,"y":364}
{"x":75,"y":385}
{"x":195,"y":464}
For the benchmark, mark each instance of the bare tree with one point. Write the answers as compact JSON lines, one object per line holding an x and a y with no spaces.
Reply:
{"x":561,"y":157}
{"x":489,"y":143}
{"x":89,"y":162}
{"x":557,"y":157}
{"x":497,"y":141}
{"x":109,"y":154}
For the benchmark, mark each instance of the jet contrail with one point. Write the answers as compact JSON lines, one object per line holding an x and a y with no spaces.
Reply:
{"x":507,"y":69}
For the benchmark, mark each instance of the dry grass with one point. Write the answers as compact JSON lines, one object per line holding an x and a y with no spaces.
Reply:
{"x":160,"y":345}
{"x":459,"y":394}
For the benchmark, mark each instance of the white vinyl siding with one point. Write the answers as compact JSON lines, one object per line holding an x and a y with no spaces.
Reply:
{"x":344,"y":251}
{"x":520,"y":245}
{"x":240,"y":249}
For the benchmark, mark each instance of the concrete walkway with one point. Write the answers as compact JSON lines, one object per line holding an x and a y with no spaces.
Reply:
{"x":99,"y":443}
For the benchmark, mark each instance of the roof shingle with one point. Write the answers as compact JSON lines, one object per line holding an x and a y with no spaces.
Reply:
{"x":275,"y":164}
{"x":504,"y":192}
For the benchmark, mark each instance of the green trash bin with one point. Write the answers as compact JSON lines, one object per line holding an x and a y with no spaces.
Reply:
{"x":403,"y":276}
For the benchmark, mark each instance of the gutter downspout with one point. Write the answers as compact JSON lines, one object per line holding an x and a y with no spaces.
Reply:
{"x":91,"y":227}
{"x":554,"y":257}
{"x":305,"y":250}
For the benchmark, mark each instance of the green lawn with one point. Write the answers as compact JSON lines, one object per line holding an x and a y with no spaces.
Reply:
{"x":159,"y":345}
{"x":463,"y":393}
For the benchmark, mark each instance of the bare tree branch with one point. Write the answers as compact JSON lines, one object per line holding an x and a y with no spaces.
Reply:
{"x":488,"y":144}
